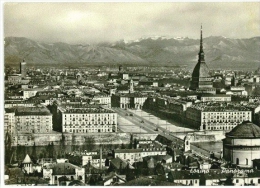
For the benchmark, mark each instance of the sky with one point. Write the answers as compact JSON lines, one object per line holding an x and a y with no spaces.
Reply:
{"x":85,"y":22}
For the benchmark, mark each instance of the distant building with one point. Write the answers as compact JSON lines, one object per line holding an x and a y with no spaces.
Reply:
{"x":128,"y":100}
{"x":215,"y":98}
{"x":242,"y":145}
{"x":23,"y":69}
{"x":14,"y":79}
{"x":134,"y":155}
{"x":201,"y":81}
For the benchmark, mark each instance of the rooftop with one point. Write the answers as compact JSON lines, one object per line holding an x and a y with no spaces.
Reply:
{"x":220,"y":107}
{"x":245,"y":130}
{"x":27,"y":159}
{"x":64,"y":169}
{"x":25,"y":111}
{"x":87,"y":110}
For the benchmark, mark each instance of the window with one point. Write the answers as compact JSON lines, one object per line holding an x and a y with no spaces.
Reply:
{"x":237,"y":181}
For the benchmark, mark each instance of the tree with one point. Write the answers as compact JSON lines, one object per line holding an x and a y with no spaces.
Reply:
{"x":123,"y":146}
{"x":62,"y":146}
{"x":135,"y":143}
{"x":159,"y":170}
{"x":131,"y":142}
{"x":130,"y":173}
{"x":8,"y":146}
{"x":90,"y":143}
{"x":73,"y":143}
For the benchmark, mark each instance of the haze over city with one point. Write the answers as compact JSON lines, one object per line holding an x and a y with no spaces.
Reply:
{"x":83,"y":23}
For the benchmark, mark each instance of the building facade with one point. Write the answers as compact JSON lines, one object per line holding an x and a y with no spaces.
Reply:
{"x":134,"y":155}
{"x":88,"y":120}
{"x":242,"y":144}
{"x":33,"y":120}
{"x":217,"y":116}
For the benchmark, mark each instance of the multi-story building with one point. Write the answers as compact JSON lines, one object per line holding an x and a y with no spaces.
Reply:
{"x":33,"y":120}
{"x":14,"y":79}
{"x":9,"y":120}
{"x":16,"y":103}
{"x":179,"y":106}
{"x":129,"y":100}
{"x":217,"y":116}
{"x":28,"y":93}
{"x":102,"y":99}
{"x":88,"y":120}
{"x":215,"y":98}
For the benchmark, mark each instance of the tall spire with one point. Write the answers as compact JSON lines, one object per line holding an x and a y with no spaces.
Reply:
{"x":201,"y":53}
{"x":201,"y":40}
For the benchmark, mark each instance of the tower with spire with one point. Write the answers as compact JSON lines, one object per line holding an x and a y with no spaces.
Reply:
{"x":201,"y":80}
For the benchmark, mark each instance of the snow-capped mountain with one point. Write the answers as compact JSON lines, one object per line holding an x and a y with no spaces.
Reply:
{"x":219,"y":51}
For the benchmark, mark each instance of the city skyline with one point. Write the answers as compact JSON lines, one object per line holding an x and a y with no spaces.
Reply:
{"x":108,"y":22}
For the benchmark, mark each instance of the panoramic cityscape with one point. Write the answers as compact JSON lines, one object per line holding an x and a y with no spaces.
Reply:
{"x":86,"y":108}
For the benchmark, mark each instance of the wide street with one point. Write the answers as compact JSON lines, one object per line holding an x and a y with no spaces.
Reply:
{"x":139,"y":121}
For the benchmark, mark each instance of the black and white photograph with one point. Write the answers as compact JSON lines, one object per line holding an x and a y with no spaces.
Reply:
{"x":130,"y":93}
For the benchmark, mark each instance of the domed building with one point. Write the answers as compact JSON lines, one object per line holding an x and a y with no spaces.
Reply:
{"x":201,"y":80}
{"x":242,"y":144}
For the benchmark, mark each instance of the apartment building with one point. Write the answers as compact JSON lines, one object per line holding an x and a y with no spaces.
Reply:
{"x":33,"y":120}
{"x":88,"y":120}
{"x":217,"y":116}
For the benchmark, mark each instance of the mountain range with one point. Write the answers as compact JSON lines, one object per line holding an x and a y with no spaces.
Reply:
{"x":220,"y":52}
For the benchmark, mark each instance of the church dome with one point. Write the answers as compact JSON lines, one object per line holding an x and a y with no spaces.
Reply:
{"x":201,"y":70}
{"x":245,"y":130}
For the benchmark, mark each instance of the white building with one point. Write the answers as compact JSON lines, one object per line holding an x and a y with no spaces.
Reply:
{"x":59,"y":171}
{"x":242,"y":144}
{"x":87,"y":120}
{"x":133,"y":155}
{"x":217,"y":116}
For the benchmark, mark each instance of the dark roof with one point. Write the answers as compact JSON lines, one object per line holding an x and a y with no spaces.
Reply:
{"x":27,"y":111}
{"x":215,"y":174}
{"x":64,"y":169}
{"x":145,"y":181}
{"x":184,"y":174}
{"x":116,"y":163}
{"x":201,"y":70}
{"x":255,"y":174}
{"x":128,"y":150}
{"x":157,"y":157}
{"x":245,"y":130}
{"x":9,"y":110}
{"x":90,"y":169}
